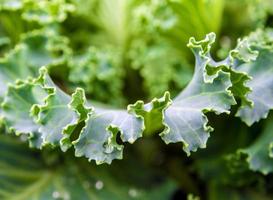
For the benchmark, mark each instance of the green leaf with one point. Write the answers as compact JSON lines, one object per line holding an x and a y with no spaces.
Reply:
{"x":210,"y":90}
{"x":45,"y":48}
{"x":96,"y":131}
{"x":151,"y":113}
{"x":261,"y":82}
{"x":96,"y":69}
{"x":59,"y":107}
{"x":173,"y":70}
{"x":98,"y":139}
{"x":43,"y":11}
{"x":42,"y":105}
{"x":16,"y":110}
{"x":36,"y":49}
{"x":240,"y":55}
{"x":185,"y":119}
{"x":259,"y":154}
{"x":9,"y":70}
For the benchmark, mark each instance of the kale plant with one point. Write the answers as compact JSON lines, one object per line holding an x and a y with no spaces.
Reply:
{"x":128,"y":99}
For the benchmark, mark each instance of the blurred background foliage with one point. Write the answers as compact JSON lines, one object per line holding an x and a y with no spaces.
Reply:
{"x":124,"y":50}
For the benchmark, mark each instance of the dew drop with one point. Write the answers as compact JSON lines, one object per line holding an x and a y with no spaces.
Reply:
{"x":56,"y":195}
{"x":99,"y":185}
{"x":23,"y":138}
{"x":59,"y":195}
{"x":132,"y":193}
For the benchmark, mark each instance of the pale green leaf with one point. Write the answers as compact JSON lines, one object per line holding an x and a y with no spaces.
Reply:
{"x":16,"y":110}
{"x":259,"y":154}
{"x":58,"y":107}
{"x":261,"y":83}
{"x":185,"y":119}
{"x":98,"y":139}
{"x":36,"y":49}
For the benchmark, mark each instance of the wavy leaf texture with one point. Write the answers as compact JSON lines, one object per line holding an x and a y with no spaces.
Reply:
{"x":98,"y":139}
{"x":99,"y":134}
{"x":43,"y":104}
{"x":42,"y":12}
{"x":95,"y":72}
{"x":58,"y":107}
{"x":36,"y":49}
{"x":16,"y":110}
{"x":259,"y":154}
{"x":184,"y":118}
{"x":69,"y":69}
{"x":261,"y":83}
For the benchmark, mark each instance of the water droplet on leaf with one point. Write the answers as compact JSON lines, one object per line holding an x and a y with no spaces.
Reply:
{"x":99,"y":185}
{"x":132,"y":192}
{"x":56,"y":195}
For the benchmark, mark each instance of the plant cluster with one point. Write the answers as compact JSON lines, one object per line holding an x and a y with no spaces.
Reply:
{"x":71,"y":76}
